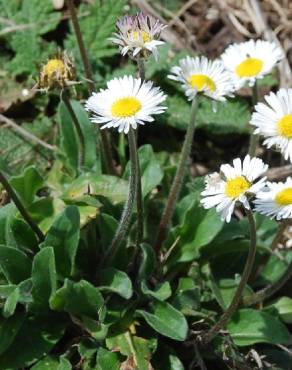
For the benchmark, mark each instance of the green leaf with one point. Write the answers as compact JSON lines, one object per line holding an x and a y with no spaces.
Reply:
{"x":16,"y":266}
{"x":51,"y":363}
{"x":45,"y":210}
{"x":137,"y":350}
{"x":35,"y":338}
{"x":11,"y":303}
{"x":283,"y":306}
{"x":68,"y":138}
{"x":47,"y":363}
{"x":15,"y":294}
{"x":227,"y":117}
{"x":44,"y":278}
{"x":91,"y":161}
{"x":111,"y":187}
{"x":150,"y":168}
{"x":187,"y":296}
{"x":116,"y":281}
{"x":7,"y":214}
{"x":9,"y":329}
{"x":80,"y":298}
{"x":106,"y":360}
{"x":166,"y":320}
{"x":23,"y":235}
{"x":147,"y":265}
{"x":27,"y":184}
{"x":161,"y":291}
{"x":175,"y":363}
{"x":228,"y":288}
{"x":107,"y":226}
{"x":63,"y":236}
{"x":28,"y":46}
{"x":198,"y":228}
{"x":97,"y":27}
{"x":250,"y":326}
{"x":64,"y":364}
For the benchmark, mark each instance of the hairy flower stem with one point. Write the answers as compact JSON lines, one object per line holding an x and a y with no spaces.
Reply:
{"x":21,"y":207}
{"x":244,"y":279}
{"x":270,"y":290}
{"x":105,"y":143}
{"x":66,"y":99}
{"x":178,"y":179}
{"x":139,"y":199}
{"x":129,"y":206}
{"x":141,"y":68}
{"x":254,"y":139}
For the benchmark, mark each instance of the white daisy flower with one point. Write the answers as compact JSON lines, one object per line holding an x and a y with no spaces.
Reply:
{"x":138,"y":34}
{"x":275,"y":200}
{"x":274,"y":121}
{"x":234,"y":184}
{"x":251,"y":60}
{"x":127,"y":102}
{"x":200,"y":75}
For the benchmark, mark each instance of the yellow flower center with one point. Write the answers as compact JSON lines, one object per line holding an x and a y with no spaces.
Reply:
{"x":136,"y":35}
{"x":250,"y":67}
{"x":125,"y":107}
{"x":284,"y":126}
{"x":235,"y":187}
{"x":54,"y":66}
{"x":284,"y":197}
{"x":201,"y":82}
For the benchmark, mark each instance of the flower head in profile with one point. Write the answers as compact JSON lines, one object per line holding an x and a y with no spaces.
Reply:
{"x":138,"y":34}
{"x":200,"y":75}
{"x":59,"y":71}
{"x":251,"y":60}
{"x":273,"y":120}
{"x":234,"y":184}
{"x":126,"y":102}
{"x":275,"y":200}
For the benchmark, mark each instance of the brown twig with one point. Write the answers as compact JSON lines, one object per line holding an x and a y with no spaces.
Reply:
{"x":26,"y":134}
{"x":279,"y":173}
{"x":260,"y":24}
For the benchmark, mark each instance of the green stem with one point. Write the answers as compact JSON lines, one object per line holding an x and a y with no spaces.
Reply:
{"x":105,"y":143}
{"x":244,"y":279}
{"x":140,"y":208}
{"x":83,"y":53}
{"x":122,"y":151}
{"x":139,"y":200}
{"x":65,"y":98}
{"x":141,"y":68}
{"x":124,"y":224}
{"x":178,"y":179}
{"x":270,"y":290}
{"x":21,"y":207}
{"x":254,"y":139}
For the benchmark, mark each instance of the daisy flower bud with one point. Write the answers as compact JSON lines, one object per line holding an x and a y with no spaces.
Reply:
{"x":138,"y":34}
{"x":127,"y":102}
{"x":200,"y":75}
{"x":234,"y":185}
{"x":274,"y":121}
{"x":275,"y":200}
{"x":251,"y":60}
{"x":58,"y":72}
